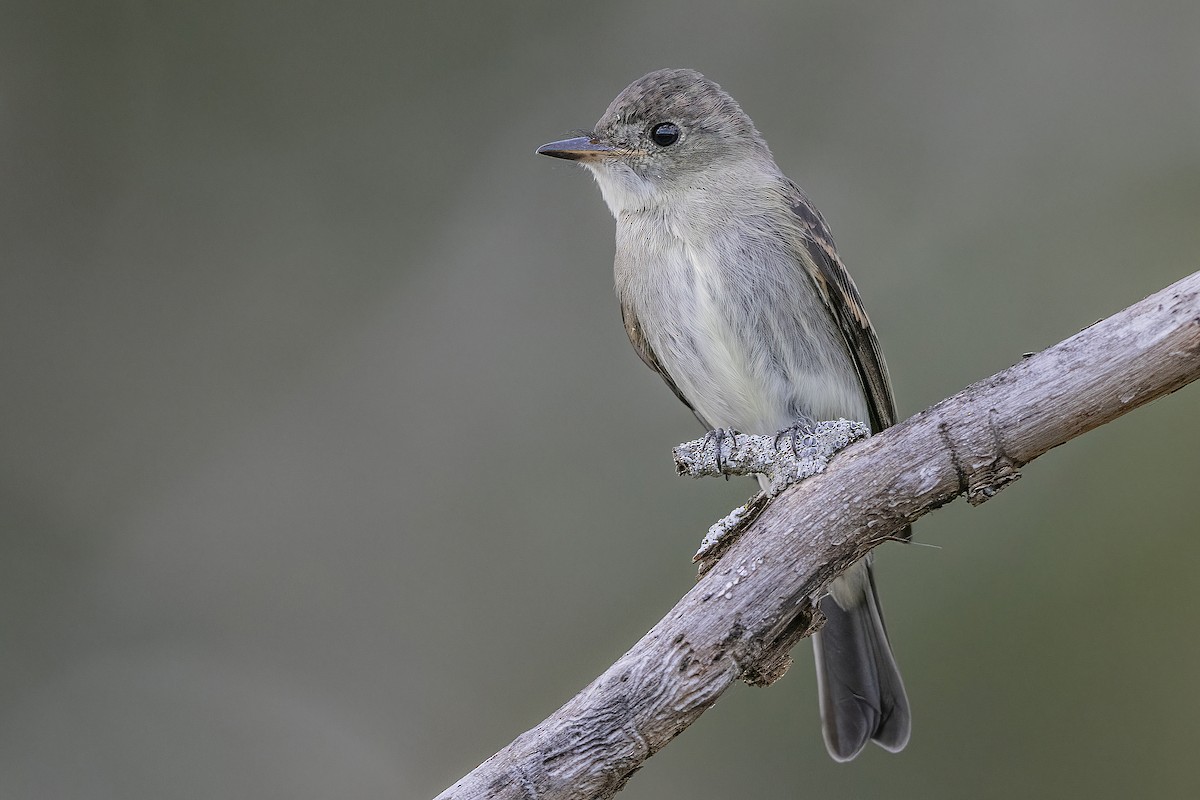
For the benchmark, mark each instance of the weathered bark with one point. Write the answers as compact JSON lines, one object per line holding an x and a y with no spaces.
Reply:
{"x":742,"y":617}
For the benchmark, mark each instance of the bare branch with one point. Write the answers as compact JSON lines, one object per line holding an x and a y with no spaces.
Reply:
{"x":742,"y":617}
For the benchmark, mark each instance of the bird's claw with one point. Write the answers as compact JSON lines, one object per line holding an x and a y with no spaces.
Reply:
{"x":716,"y":437}
{"x":812,"y":445}
{"x":803,"y":427}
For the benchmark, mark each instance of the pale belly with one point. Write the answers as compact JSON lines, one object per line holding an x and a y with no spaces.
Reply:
{"x":750,"y":345}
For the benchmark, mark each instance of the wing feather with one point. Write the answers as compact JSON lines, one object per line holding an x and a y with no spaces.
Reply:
{"x":837,"y":290}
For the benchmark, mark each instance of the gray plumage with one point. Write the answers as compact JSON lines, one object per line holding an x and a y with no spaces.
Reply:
{"x":732,"y":291}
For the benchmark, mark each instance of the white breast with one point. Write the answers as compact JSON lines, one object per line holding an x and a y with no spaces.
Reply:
{"x":736,"y":324}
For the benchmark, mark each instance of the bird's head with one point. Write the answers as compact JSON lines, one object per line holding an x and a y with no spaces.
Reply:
{"x":670,"y":132}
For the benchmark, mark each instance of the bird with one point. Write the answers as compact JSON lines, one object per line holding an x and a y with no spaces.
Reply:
{"x":731,"y":289}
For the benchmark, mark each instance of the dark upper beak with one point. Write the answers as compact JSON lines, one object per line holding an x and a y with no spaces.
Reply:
{"x":581,"y":148}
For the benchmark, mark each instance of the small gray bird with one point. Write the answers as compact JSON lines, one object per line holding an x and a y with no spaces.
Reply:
{"x":731,"y":290}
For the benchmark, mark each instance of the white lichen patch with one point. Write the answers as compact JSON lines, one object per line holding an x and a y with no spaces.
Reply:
{"x":783,"y":459}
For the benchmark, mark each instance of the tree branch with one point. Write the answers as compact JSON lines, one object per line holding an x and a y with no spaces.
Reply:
{"x":742,"y":617}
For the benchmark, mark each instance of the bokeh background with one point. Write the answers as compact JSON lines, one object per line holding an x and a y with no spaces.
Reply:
{"x":326,"y":469}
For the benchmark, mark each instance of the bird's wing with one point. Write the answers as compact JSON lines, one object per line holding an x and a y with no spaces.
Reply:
{"x":837,"y":290}
{"x":642,"y":347}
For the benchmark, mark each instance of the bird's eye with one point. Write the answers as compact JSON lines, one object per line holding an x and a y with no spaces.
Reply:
{"x":664,"y":134}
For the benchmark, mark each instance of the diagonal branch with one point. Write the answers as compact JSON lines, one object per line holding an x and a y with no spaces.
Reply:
{"x":742,"y":617}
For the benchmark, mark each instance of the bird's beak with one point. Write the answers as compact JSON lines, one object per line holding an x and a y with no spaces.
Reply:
{"x":581,"y":148}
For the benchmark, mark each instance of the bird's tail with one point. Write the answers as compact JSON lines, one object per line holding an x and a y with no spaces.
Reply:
{"x":862,"y":696}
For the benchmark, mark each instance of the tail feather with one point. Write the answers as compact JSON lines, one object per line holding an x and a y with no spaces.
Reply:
{"x":861,"y":693}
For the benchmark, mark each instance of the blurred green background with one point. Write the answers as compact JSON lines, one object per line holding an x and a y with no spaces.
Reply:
{"x":326,"y":469}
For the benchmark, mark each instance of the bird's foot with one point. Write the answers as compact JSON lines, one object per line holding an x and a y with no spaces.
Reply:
{"x":714,"y":439}
{"x":810,"y":447}
{"x":802,"y":428}
{"x":726,"y":452}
